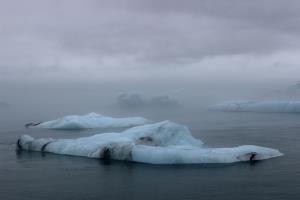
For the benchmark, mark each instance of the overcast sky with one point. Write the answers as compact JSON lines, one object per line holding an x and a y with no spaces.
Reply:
{"x":142,"y":39}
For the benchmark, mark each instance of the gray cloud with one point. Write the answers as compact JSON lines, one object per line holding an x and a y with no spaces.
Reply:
{"x":96,"y":37}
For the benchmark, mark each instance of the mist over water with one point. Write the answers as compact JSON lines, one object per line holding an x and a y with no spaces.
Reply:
{"x":65,"y":57}
{"x":32,"y":175}
{"x":47,"y":100}
{"x":37,"y":101}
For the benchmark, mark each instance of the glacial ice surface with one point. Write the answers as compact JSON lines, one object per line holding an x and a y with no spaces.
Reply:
{"x":159,"y":143}
{"x":92,"y":120}
{"x":259,"y":106}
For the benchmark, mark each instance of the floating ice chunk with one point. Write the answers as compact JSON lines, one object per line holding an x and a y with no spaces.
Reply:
{"x":136,"y":100}
{"x":193,"y":155}
{"x":92,"y":120}
{"x":295,"y":86}
{"x":130,"y":100}
{"x":164,"y":133}
{"x":164,"y":101}
{"x":159,"y":143}
{"x":256,"y":106}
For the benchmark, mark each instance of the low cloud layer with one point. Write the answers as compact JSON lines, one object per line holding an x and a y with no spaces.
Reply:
{"x":134,"y":39}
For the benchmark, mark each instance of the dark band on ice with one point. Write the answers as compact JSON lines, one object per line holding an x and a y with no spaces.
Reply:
{"x":32,"y":124}
{"x":105,"y":153}
{"x":19,"y":144}
{"x":252,"y":157}
{"x":44,"y":146}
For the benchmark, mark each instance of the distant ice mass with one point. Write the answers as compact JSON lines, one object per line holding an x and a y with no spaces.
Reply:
{"x":295,"y":86}
{"x":136,"y":100}
{"x":159,"y":143}
{"x":130,"y":100}
{"x":259,"y":106}
{"x":164,"y":101}
{"x":293,"y":91}
{"x":91,"y":120}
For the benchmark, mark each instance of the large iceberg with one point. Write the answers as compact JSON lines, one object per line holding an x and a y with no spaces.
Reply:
{"x":91,"y":120}
{"x":259,"y":106}
{"x":160,"y":143}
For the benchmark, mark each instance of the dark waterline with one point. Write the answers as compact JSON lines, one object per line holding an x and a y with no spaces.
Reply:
{"x":33,"y":175}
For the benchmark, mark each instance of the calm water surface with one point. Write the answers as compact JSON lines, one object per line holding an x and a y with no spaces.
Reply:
{"x":34,"y":175}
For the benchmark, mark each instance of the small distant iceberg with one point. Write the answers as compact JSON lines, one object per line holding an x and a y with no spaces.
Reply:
{"x":258,"y":106}
{"x":164,"y":101}
{"x":89,"y":121}
{"x":132,"y":100}
{"x":159,"y":143}
{"x":295,"y":86}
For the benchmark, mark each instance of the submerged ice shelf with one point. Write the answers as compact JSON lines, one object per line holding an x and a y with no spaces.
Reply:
{"x":91,"y":120}
{"x":259,"y":106}
{"x":160,"y":143}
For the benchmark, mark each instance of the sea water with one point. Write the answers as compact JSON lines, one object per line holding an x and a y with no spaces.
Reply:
{"x":36,"y":175}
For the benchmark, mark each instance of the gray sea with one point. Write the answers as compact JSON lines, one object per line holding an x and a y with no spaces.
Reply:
{"x":39,"y":176}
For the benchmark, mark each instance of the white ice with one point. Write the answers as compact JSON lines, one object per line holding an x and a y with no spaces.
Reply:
{"x":160,"y":143}
{"x":259,"y":106}
{"x":92,"y":120}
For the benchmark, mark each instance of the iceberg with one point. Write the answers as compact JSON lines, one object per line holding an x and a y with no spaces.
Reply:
{"x":159,"y":143}
{"x":130,"y":100}
{"x":295,"y":86}
{"x":164,"y":101}
{"x":89,"y":121}
{"x":136,"y":100}
{"x":258,"y":106}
